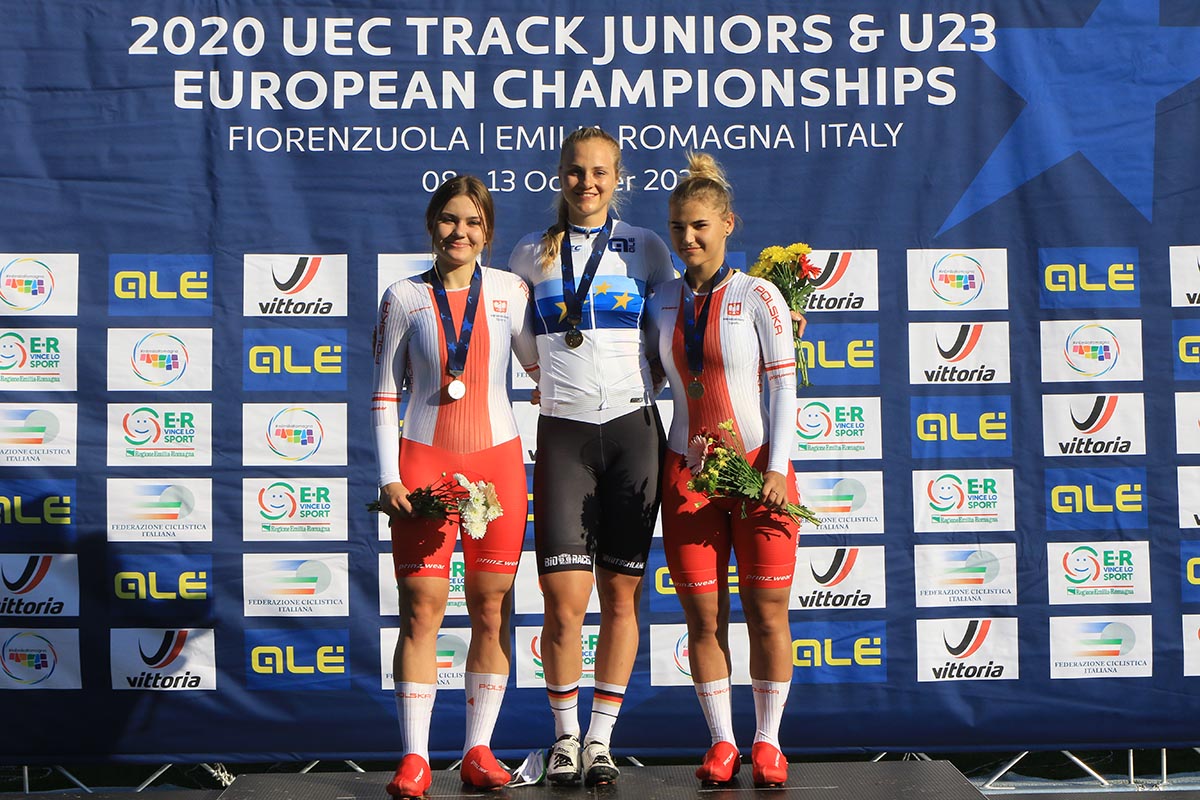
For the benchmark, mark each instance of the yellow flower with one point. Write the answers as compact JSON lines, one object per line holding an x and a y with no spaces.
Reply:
{"x":774,"y":253}
{"x":760,"y":269}
{"x":727,"y":425}
{"x":798,"y":249}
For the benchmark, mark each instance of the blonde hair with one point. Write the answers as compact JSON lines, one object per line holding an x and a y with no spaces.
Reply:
{"x":706,"y":181}
{"x":552,"y":238}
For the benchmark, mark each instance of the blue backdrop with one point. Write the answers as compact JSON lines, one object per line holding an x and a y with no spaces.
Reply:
{"x":202,"y":201}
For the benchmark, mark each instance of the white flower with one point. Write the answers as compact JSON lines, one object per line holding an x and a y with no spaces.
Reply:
{"x":697,"y":453}
{"x":479,"y":507}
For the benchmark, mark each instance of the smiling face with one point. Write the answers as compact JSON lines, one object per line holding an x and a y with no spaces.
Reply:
{"x":698,"y":234}
{"x":459,"y":234}
{"x":589,"y":172}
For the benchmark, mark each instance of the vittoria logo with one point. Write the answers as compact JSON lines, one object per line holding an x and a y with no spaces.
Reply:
{"x":294,"y":285}
{"x":1089,"y":424}
{"x":966,"y":649}
{"x":838,"y":577}
{"x":159,"y":659}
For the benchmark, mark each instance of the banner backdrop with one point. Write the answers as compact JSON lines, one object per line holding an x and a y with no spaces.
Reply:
{"x":202,"y":202}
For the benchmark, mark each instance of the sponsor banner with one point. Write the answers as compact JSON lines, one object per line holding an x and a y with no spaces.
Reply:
{"x":961,"y":427}
{"x":456,"y":602}
{"x":40,"y":658}
{"x":1098,"y":572}
{"x":1191,"y":644}
{"x":38,"y":434}
{"x":1089,"y":277}
{"x":295,"y":509}
{"x":451,"y":649}
{"x":848,"y":280}
{"x":839,"y":652}
{"x":1189,"y":497}
{"x":980,"y":574}
{"x":295,"y":585}
{"x":311,"y":435}
{"x":1091,"y":350}
{"x":1189,"y":560}
{"x":290,"y":286}
{"x":160,"y":509}
{"x":838,"y":428}
{"x":963,"y":500}
{"x":1093,"y":425}
{"x":173,"y":586}
{"x":1096,"y":499}
{"x":286,"y":359}
{"x":845,"y":354}
{"x":845,"y":502}
{"x":528,"y":657}
{"x":42,"y":585}
{"x":839,"y":578}
{"x":37,"y":512}
{"x":669,"y":664}
{"x":298,"y":660}
{"x":1101,"y":647}
{"x":160,"y":433}
{"x":664,"y":596}
{"x":957,"y":280}
{"x":958,"y":353}
{"x":967,"y":650}
{"x":527,"y":415}
{"x":1185,"y":276}
{"x":160,"y":360}
{"x":1186,"y":335}
{"x":39,"y":284}
{"x":527,"y":590}
{"x":148,"y":285}
{"x":163,"y":659}
{"x":1187,"y":422}
{"x":38,"y":359}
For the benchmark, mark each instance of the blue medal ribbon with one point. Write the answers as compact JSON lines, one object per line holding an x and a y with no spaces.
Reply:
{"x":693,"y":329}
{"x":572,"y":297}
{"x":457,"y":342}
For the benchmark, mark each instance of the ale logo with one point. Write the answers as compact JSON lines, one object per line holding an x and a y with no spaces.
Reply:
{"x":295,"y":434}
{"x":159,"y":359}
{"x":25,"y":284}
{"x":956,"y":279}
{"x":1091,"y":350}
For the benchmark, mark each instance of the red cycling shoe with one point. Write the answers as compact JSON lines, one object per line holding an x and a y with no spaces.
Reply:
{"x":412,"y":778}
{"x":770,"y":767}
{"x":721,"y":763}
{"x":481,"y":770}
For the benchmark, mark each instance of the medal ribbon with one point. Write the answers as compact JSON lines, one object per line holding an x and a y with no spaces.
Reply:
{"x":693,"y":329}
{"x":457,"y":343}
{"x":573,"y":298}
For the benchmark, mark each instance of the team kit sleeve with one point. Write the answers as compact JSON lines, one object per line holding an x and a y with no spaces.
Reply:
{"x":390,"y":342}
{"x":774,"y":329}
{"x":658,"y":257}
{"x":524,"y":345}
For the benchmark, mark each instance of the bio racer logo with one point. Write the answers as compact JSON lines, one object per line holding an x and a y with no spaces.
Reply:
{"x":25,"y":284}
{"x":295,"y":434}
{"x":956,"y":279}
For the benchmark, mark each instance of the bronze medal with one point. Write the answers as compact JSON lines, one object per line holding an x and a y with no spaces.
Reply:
{"x":695,"y":389}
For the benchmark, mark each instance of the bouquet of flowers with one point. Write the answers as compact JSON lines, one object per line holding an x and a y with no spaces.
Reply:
{"x":789,"y":269}
{"x":475,"y":504}
{"x":720,"y":470}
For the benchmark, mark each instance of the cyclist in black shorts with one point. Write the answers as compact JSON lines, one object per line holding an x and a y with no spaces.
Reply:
{"x":600,"y":442}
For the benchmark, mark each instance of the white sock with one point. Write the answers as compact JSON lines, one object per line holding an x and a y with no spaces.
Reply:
{"x":485,"y":693}
{"x":414,"y":708}
{"x":564,"y":704}
{"x":606,"y":705}
{"x":716,"y":703}
{"x":769,"y":700}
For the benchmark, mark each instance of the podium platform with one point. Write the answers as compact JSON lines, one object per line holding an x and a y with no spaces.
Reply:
{"x":888,"y":780}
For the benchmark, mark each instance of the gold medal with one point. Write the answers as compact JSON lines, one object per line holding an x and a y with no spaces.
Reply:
{"x":574,"y":338}
{"x":695,"y":389}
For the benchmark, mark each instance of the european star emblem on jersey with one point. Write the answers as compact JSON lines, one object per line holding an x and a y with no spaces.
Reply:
{"x":1091,"y":90}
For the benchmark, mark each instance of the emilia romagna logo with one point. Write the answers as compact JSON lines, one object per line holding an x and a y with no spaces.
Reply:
{"x":28,"y":658}
{"x":25,"y":284}
{"x":956,"y":279}
{"x":159,"y":359}
{"x":295,"y":434}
